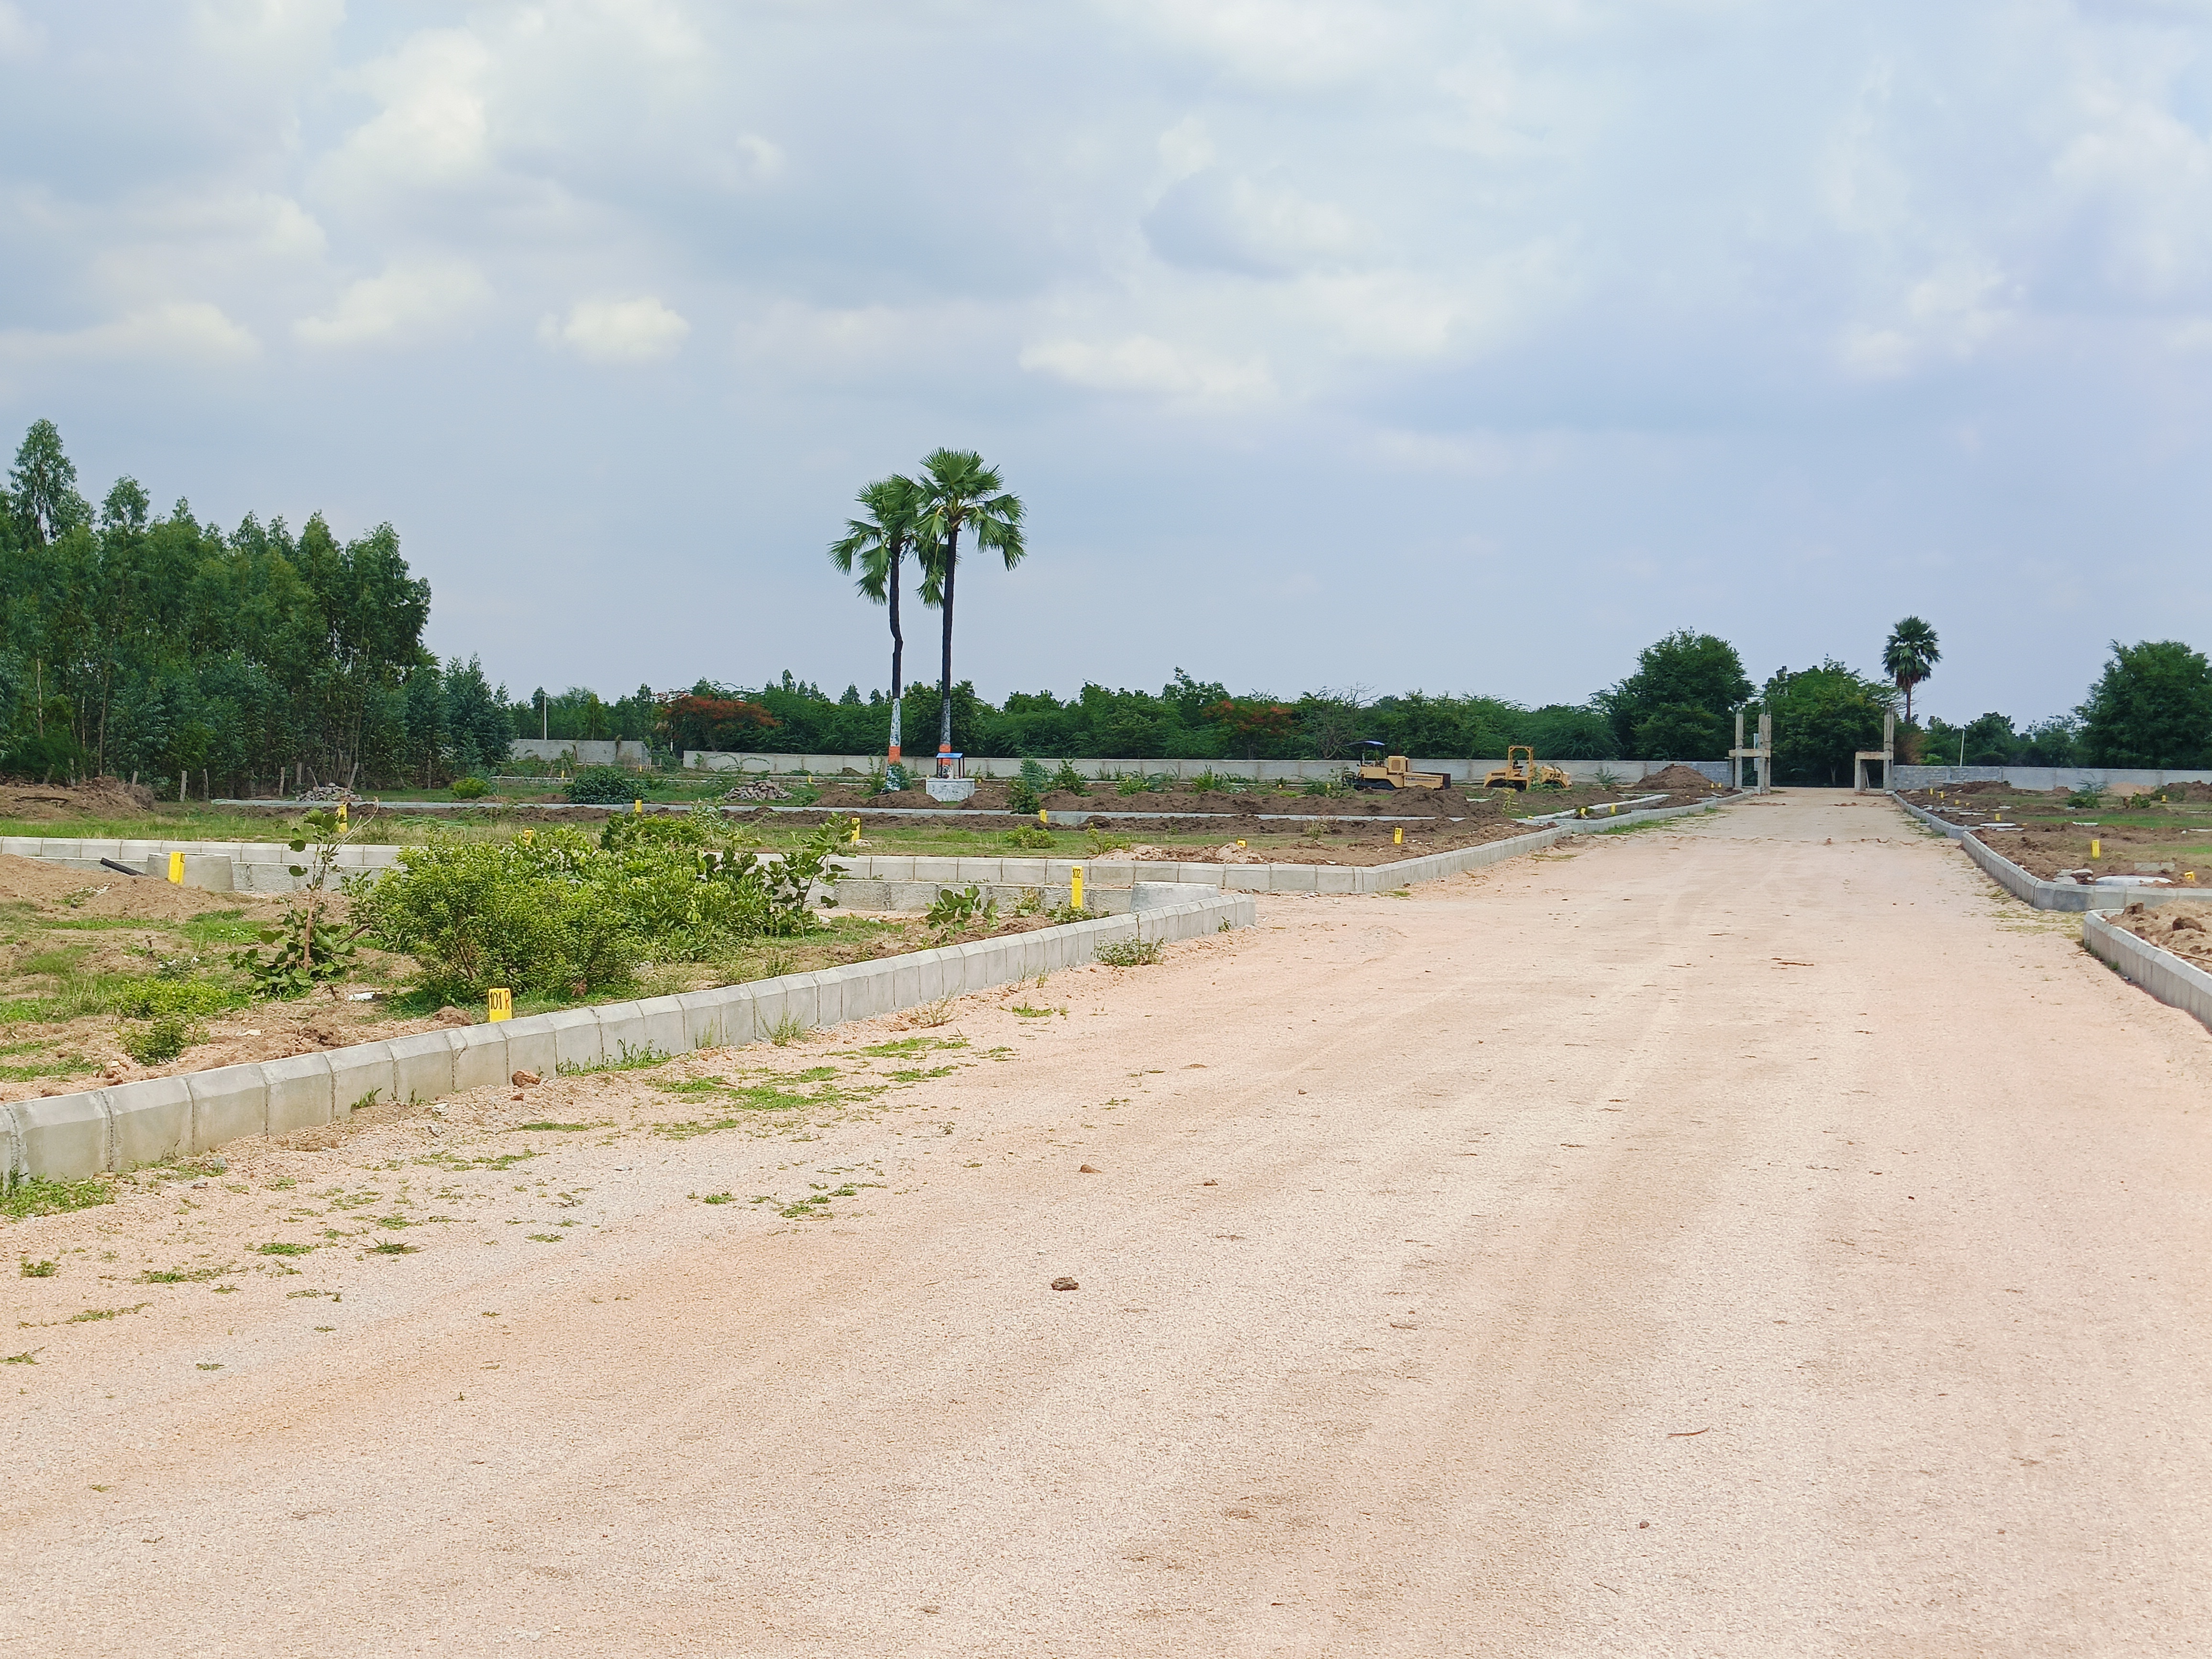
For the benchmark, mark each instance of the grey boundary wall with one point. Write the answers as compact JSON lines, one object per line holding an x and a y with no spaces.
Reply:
{"x":74,"y":1136}
{"x":1263,"y":771}
{"x":262,"y":867}
{"x":2033,"y":889}
{"x":2177,"y":983}
{"x":585,"y":751}
{"x":2041,"y":779}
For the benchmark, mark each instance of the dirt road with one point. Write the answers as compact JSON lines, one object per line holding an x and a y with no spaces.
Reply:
{"x":1754,"y":1238}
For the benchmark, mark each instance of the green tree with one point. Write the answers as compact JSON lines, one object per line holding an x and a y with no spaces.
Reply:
{"x":1909,"y":657}
{"x":1677,"y":703}
{"x":1822,"y":717}
{"x":2151,"y":707}
{"x":877,"y":545}
{"x":42,"y":488}
{"x":959,"y":491}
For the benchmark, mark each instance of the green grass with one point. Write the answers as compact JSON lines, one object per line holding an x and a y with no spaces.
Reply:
{"x":35,"y":1195}
{"x":29,"y":1269}
{"x":282,"y":1250}
{"x":186,"y":1275}
{"x":563,"y":1128}
{"x":60,"y":1065}
{"x":640,"y":1059}
{"x":907,"y":1045}
{"x":90,"y":1315}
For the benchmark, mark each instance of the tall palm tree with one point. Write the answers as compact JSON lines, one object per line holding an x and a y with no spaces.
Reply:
{"x":959,"y":491}
{"x":878,"y":544}
{"x":1909,"y":657}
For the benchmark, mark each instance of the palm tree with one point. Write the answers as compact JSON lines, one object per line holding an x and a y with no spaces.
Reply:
{"x":878,"y":544}
{"x":958,"y":490}
{"x":1909,"y":657}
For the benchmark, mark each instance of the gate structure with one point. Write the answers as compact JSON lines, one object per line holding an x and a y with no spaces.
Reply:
{"x":1762,"y":755}
{"x":1886,"y":755}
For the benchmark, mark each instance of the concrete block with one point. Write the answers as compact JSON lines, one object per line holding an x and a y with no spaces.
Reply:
{"x":802,"y":999}
{"x":1035,"y":956}
{"x":227,"y":1104}
{"x":715,"y":1019}
{"x":1245,"y":877}
{"x":422,"y":1065}
{"x":945,"y":872}
{"x":664,"y":1024}
{"x":215,"y":875}
{"x":621,"y":1029}
{"x":529,"y":1045}
{"x":147,"y":1120}
{"x":63,"y":1137}
{"x":1206,"y":875}
{"x":298,"y":1092}
{"x":1296,"y":878}
{"x":906,"y":984}
{"x":975,"y":963}
{"x":359,"y":1075}
{"x":480,"y":1056}
{"x":1022,"y":873}
{"x":771,"y":1002}
{"x":576,"y":1042}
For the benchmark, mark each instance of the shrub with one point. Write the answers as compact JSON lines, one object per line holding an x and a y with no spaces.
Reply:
{"x":1021,"y":798}
{"x":1034,"y":836}
{"x":469,"y":788}
{"x":1032,"y":773}
{"x":603,"y":786}
{"x":1069,"y":780}
{"x":1128,"y":953}
{"x":159,"y":1040}
{"x":957,"y":910}
{"x":1130,"y":783}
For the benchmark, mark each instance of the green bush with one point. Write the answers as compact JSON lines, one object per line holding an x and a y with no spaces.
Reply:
{"x":160,"y":1040}
{"x":1128,"y":953}
{"x":1069,"y":780}
{"x":1035,"y":837}
{"x":1033,"y":775}
{"x":956,"y":910}
{"x":604,"y":786}
{"x":469,"y":788}
{"x":1129,"y":783}
{"x":554,"y":915}
{"x":1021,"y":798}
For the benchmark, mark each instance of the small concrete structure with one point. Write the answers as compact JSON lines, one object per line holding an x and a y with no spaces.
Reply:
{"x":1886,"y":755}
{"x":1761,"y":755}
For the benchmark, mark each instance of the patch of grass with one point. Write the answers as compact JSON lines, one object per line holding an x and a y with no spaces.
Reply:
{"x":787,"y":1031}
{"x":160,"y":1040}
{"x":1023,"y":1011}
{"x":1127,"y":953}
{"x":392,"y":1246}
{"x":913,"y":1045}
{"x":35,"y":1195}
{"x":921,"y":1074}
{"x":90,"y":1315}
{"x":282,"y":1249}
{"x":29,"y":1269}
{"x":546,"y":1128}
{"x":29,"y":1357}
{"x":719,"y":1198}
{"x":182,"y":1169}
{"x":60,"y":1065}
{"x":186,"y":1275}
{"x":640,"y":1059}
{"x":544,"y":1238}
{"x":933,"y":1014}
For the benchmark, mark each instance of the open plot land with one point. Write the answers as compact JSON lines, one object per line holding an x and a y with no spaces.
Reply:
{"x":2153,"y":832}
{"x":1751,"y":1236}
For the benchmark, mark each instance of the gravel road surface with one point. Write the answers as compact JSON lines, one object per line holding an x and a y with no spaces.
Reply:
{"x":1757,"y":1236}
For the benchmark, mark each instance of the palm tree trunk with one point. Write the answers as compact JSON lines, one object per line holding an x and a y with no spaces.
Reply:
{"x":944,"y":681}
{"x":898,"y":649}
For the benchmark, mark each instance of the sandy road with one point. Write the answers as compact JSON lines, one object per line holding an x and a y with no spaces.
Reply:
{"x":1759,"y":1238}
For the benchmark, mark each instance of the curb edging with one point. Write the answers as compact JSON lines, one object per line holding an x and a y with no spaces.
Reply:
{"x":2177,"y":983}
{"x":73,"y":1136}
{"x":2033,"y":890}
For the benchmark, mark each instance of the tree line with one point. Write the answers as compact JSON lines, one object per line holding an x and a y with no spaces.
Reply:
{"x":137,"y":644}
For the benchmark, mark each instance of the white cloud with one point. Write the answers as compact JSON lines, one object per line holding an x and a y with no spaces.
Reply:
{"x":640,"y":331}
{"x":21,"y":39}
{"x":1229,"y":222}
{"x":410,"y":300}
{"x":1141,"y":363}
{"x":1950,"y":313}
{"x":189,"y":331}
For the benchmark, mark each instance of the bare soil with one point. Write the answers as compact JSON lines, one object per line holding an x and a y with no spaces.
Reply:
{"x":1610,"y":1254}
{"x":2181,"y":926}
{"x":101,"y":798}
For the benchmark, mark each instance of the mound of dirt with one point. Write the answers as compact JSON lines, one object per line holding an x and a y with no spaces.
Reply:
{"x":51,"y":887}
{"x":101,"y":798}
{"x":1675,"y":778}
{"x":1983,"y":787}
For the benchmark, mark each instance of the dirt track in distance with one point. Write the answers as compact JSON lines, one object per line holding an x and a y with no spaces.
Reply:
{"x":1756,"y":1237}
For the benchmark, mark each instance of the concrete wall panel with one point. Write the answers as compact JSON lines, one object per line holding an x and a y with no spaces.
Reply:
{"x":300,"y":1092}
{"x":64,"y":1137}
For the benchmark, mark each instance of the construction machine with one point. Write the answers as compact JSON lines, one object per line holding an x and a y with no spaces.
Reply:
{"x":1521,"y":771}
{"x":1380,"y":771}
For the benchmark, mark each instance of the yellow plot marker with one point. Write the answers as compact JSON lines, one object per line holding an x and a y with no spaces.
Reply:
{"x":1075,"y":886}
{"x":1042,"y":819}
{"x":499,"y":1003}
{"x":342,"y":813}
{"x":2189,"y":875}
{"x":527,"y":837}
{"x":855,"y":838}
{"x":636,"y":808}
{"x":1240,"y":843}
{"x":177,"y":868}
{"x":1398,"y":834}
{"x":2096,"y":847}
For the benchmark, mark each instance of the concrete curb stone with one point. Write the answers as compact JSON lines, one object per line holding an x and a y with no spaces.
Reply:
{"x":2173,"y":981}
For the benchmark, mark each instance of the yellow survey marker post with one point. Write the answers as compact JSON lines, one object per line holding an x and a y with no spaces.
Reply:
{"x":177,"y":868}
{"x":499,"y":1003}
{"x":854,"y":837}
{"x":1075,"y":886}
{"x":637,"y":809}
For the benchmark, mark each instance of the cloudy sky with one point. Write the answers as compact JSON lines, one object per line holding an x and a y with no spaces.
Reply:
{"x":1465,"y":345}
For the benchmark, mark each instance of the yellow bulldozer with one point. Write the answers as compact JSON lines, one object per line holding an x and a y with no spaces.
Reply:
{"x":1380,"y":771}
{"x":1521,"y":771}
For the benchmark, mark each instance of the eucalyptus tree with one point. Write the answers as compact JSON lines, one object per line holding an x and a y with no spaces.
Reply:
{"x":876,"y":545}
{"x":960,"y":492}
{"x":1909,"y":657}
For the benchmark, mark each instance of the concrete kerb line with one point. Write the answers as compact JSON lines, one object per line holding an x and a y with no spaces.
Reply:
{"x":73,"y":1136}
{"x":2177,"y":983}
{"x":2033,"y":890}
